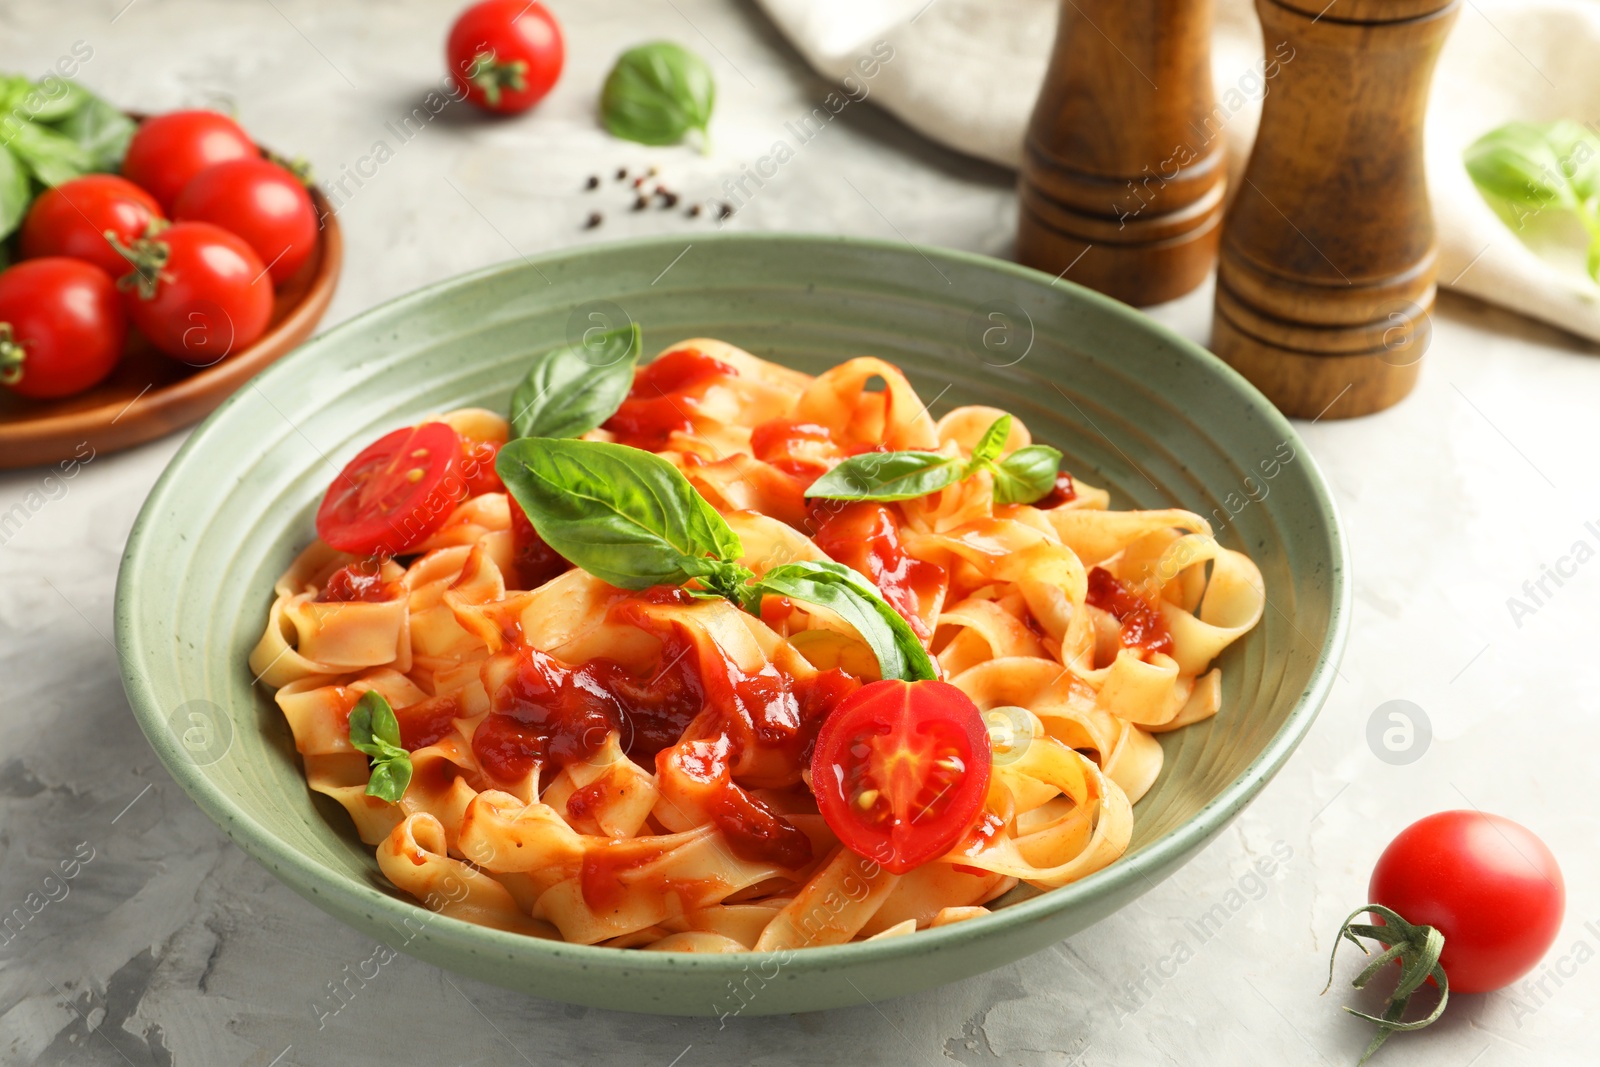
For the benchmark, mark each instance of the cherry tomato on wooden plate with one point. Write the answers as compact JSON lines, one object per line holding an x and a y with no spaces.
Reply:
{"x":72,"y":220}
{"x":61,"y":327}
{"x":505,"y":54}
{"x":900,"y":771}
{"x":259,"y":201}
{"x":395,"y":493}
{"x":167,"y":151}
{"x":197,"y":292}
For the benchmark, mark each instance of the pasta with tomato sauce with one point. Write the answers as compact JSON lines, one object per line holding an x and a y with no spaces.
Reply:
{"x":669,"y":769}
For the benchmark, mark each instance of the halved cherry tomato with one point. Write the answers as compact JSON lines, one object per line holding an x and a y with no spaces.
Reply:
{"x":72,"y":220}
{"x":1487,"y":884}
{"x":395,"y":494}
{"x":167,"y":151}
{"x":901,"y":770}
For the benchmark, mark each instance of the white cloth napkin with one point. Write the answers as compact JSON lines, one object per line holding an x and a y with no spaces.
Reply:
{"x":965,"y":73}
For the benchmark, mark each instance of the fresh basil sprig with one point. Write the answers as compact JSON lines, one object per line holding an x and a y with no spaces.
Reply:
{"x":632,"y":519}
{"x":1522,"y":168}
{"x":657,"y":93}
{"x":573,"y":389}
{"x":1020,"y":478}
{"x":52,"y":132}
{"x":626,"y":516}
{"x":375,"y":731}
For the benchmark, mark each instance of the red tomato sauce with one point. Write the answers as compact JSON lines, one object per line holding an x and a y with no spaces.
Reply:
{"x":532,"y":561}
{"x":549,"y":713}
{"x":660,"y":404}
{"x":864,"y":536}
{"x":359,"y":583}
{"x":1142,"y":625}
{"x":1063,"y":492}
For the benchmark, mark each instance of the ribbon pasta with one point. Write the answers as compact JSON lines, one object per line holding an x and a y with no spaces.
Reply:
{"x":691,"y":827}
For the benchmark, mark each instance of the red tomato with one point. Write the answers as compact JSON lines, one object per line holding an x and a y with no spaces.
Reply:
{"x":1486,"y":883}
{"x":61,"y":327}
{"x":198,"y":292}
{"x":72,"y":220}
{"x":477,"y":468}
{"x":395,"y":493}
{"x":901,"y":770}
{"x":505,"y":54}
{"x":259,"y":201}
{"x":167,"y":151}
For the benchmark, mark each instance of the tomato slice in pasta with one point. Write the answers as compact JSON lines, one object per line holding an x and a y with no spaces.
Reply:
{"x":395,"y":493}
{"x":900,"y":771}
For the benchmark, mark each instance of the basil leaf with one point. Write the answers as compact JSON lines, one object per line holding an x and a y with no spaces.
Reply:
{"x":626,"y":516}
{"x":1518,"y":163}
{"x":888,"y":476}
{"x":44,"y":104}
{"x":100,"y":130}
{"x":52,"y":157}
{"x":1026,"y":475}
{"x":571,"y":390}
{"x":858,"y":602}
{"x":376,"y":732}
{"x":991,"y":444}
{"x":657,"y":93}
{"x":1578,"y":149}
{"x":15,"y":193}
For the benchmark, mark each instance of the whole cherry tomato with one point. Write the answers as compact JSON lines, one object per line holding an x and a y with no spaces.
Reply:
{"x":61,"y":327}
{"x":505,"y":54}
{"x":167,"y":151}
{"x":901,"y":770}
{"x":395,"y":493}
{"x":1488,"y":884}
{"x":261,"y":202}
{"x":72,"y":219}
{"x":197,"y":292}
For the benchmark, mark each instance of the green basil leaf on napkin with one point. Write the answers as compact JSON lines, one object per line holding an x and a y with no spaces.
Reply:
{"x":626,"y":516}
{"x":571,"y":390}
{"x":858,"y":602}
{"x":376,"y":732}
{"x":657,"y":93}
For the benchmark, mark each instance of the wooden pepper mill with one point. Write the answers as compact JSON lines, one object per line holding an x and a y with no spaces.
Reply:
{"x":1327,"y":270}
{"x":1123,"y":171}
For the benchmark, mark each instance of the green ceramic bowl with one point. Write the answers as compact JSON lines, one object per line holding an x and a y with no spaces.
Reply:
{"x":1134,"y":407}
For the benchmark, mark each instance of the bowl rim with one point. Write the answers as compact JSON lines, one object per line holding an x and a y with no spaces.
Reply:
{"x":335,"y":893}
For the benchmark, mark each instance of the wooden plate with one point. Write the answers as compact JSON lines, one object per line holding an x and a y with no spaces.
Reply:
{"x":150,"y":394}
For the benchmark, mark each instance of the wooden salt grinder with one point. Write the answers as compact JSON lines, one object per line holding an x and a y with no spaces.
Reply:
{"x":1327,"y":271}
{"x":1123,"y":170}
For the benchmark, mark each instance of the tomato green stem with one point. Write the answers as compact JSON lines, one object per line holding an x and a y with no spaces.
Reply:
{"x":148,"y":257}
{"x":1417,"y":948}
{"x":12,"y":356}
{"x":491,"y":76}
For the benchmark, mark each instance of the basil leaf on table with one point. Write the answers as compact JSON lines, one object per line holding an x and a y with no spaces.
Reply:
{"x":858,"y":602}
{"x":100,"y":130}
{"x":15,"y":192}
{"x":889,"y":476}
{"x":626,"y":516}
{"x":1026,"y":475}
{"x":376,"y":732}
{"x":657,"y":93}
{"x":571,"y":390}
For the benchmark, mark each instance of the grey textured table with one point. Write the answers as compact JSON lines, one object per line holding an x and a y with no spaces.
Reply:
{"x":169,"y":946}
